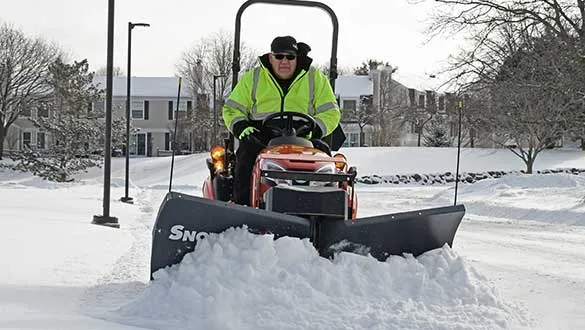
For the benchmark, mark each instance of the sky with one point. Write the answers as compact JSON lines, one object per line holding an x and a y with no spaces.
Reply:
{"x":391,"y":31}
{"x":517,"y":261}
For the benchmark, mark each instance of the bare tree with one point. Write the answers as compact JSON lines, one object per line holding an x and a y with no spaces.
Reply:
{"x":24,"y":64}
{"x":211,"y":56}
{"x":498,"y":28}
{"x":530,"y":105}
{"x":475,"y":105}
{"x":562,"y":17}
{"x":495,"y":27}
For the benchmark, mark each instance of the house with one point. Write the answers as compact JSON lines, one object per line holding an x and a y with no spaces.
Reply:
{"x":152,"y":113}
{"x":24,"y":133}
{"x":351,"y":92}
{"x":361,"y":98}
{"x":153,"y":108}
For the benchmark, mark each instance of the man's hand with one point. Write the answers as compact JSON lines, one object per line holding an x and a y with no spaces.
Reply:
{"x":247,"y":131}
{"x":316,"y":133}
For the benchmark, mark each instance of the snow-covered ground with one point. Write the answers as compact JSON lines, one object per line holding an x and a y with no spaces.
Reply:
{"x":518,"y":261}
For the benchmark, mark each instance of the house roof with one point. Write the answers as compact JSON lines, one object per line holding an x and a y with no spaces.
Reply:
{"x":145,"y":86}
{"x":418,"y":81}
{"x":345,"y":86}
{"x":353,"y":86}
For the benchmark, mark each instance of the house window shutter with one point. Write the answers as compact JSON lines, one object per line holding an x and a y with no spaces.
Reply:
{"x":170,"y":116}
{"x":146,"y":108}
{"x":189,"y":108}
{"x":167,"y":141}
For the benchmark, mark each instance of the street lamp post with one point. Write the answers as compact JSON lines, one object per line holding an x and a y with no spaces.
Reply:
{"x":106,"y":219}
{"x":215,"y":77}
{"x":126,"y":198}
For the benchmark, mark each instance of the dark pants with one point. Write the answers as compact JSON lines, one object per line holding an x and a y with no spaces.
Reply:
{"x":246,"y":155}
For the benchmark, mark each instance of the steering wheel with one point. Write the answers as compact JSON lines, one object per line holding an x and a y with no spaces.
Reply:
{"x":307,"y":123}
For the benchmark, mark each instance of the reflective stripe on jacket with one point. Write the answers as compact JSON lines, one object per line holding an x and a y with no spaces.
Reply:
{"x":258,"y":95}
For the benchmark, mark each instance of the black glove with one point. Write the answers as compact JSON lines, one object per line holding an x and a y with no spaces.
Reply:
{"x":239,"y":127}
{"x":317,"y":133}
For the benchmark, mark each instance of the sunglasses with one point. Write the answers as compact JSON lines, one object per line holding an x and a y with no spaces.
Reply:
{"x":289,"y":57}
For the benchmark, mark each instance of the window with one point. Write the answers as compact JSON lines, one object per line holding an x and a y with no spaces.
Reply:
{"x":138,"y":144}
{"x":354,"y":139}
{"x":26,"y":139}
{"x":453,"y":128}
{"x":189,"y":108}
{"x":137,"y":109}
{"x":421,"y":101}
{"x":41,"y":140}
{"x":349,"y":105}
{"x":413,"y":128}
{"x":25,"y":112}
{"x":182,"y":111}
{"x":43,"y":112}
{"x":442,"y":103}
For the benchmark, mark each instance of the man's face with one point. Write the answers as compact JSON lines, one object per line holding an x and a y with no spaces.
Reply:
{"x":283,"y":65}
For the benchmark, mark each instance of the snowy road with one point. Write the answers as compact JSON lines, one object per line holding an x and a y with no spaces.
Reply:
{"x":526,"y":236}
{"x":540,"y":266}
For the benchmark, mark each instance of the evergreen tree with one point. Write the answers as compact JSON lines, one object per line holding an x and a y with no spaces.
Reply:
{"x":73,"y":129}
{"x":436,"y":135}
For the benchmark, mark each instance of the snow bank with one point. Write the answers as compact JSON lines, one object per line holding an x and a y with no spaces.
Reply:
{"x":555,"y":198}
{"x":449,"y":177}
{"x":432,"y":160}
{"x":236,"y":280}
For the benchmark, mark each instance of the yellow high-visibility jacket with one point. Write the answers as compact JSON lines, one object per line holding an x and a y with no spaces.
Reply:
{"x":258,"y":95}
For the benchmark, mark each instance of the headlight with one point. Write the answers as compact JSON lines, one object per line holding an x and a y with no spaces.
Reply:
{"x":268,"y":165}
{"x":329,"y":169}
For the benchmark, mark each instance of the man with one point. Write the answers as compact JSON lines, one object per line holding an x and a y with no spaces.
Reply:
{"x":284,"y":81}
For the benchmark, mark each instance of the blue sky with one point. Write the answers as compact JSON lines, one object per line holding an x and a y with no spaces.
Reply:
{"x":390,"y":30}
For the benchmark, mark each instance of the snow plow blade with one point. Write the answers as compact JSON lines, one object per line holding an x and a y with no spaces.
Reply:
{"x":183,"y":219}
{"x":414,"y":232}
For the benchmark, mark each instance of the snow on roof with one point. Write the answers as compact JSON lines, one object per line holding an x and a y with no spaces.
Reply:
{"x":353,"y":86}
{"x":146,"y":86}
{"x":349,"y":86}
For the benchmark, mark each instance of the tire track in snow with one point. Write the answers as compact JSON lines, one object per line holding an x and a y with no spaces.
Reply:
{"x":131,"y":272}
{"x":543,"y":269}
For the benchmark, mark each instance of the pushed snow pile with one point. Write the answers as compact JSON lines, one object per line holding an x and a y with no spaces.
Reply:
{"x":237,"y":280}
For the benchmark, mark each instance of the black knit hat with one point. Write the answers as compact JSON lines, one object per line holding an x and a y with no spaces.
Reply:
{"x":286,"y":44}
